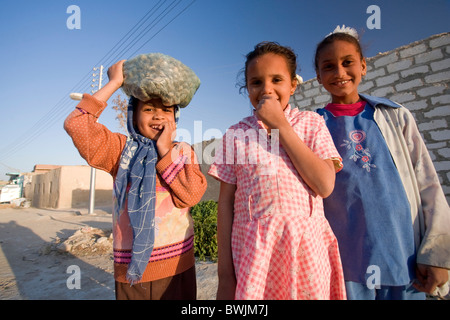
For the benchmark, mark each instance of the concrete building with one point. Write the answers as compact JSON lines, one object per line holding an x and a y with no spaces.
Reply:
{"x":61,"y":187}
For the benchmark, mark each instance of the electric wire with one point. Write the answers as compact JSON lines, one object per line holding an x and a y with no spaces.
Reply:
{"x":65,"y":104}
{"x":54,"y":113}
{"x":162,"y":28}
{"x":150,"y":27}
{"x":123,"y":41}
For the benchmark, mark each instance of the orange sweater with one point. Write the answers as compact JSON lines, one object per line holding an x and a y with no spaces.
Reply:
{"x":177,"y":189}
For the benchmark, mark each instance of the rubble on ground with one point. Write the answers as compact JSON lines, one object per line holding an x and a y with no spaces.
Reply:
{"x":85,"y":241}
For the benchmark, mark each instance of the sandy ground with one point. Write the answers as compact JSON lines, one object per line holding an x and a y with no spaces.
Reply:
{"x":33,"y":268}
{"x":33,"y":265}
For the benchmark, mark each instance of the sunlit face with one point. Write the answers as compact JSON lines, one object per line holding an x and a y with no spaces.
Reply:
{"x":269,"y":75}
{"x":340,"y":70}
{"x":149,"y":115}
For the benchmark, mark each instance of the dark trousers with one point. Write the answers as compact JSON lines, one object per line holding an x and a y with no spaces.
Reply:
{"x":181,"y":286}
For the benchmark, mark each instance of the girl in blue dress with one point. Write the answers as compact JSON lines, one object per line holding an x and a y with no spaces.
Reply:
{"x":388,"y":210}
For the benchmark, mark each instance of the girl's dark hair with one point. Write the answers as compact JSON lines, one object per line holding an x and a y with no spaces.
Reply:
{"x":268,"y":47}
{"x":334,"y":37}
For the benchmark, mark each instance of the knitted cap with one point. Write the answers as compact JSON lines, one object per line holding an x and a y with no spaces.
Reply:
{"x":156,"y":75}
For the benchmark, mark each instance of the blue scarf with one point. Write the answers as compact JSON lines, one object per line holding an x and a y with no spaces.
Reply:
{"x":137,"y":170}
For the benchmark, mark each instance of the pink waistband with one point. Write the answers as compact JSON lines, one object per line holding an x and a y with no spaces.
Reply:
{"x":124,"y":256}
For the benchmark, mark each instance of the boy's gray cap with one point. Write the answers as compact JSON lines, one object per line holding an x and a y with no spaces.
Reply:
{"x":156,"y":75}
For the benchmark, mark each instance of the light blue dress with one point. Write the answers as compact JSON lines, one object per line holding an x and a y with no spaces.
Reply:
{"x":369,"y":211}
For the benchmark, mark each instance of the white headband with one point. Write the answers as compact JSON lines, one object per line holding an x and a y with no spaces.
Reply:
{"x":347,"y":30}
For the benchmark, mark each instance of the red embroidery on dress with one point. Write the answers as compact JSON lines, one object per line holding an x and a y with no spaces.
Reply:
{"x":359,"y":152}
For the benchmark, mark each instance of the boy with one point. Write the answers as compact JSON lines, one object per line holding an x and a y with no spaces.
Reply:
{"x":155,"y":179}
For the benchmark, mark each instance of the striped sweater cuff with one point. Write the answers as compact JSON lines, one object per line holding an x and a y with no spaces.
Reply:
{"x":170,"y":173}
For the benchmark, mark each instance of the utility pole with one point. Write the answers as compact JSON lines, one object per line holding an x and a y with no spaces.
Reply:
{"x":93,"y":170}
{"x":78,"y":96}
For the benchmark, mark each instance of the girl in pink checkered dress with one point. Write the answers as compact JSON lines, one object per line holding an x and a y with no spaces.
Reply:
{"x":275,"y":167}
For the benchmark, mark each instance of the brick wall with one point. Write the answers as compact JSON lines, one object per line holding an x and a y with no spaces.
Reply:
{"x":416,"y":75}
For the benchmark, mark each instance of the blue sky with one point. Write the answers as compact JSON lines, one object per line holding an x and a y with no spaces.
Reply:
{"x":42,"y":61}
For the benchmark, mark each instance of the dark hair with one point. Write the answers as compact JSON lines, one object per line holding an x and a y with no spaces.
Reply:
{"x":268,"y":47}
{"x":334,"y":37}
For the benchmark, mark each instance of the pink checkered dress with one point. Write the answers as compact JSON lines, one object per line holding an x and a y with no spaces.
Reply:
{"x":283,"y":247}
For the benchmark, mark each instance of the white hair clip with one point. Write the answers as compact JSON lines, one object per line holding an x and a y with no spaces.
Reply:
{"x":347,"y":30}
{"x":299,"y":79}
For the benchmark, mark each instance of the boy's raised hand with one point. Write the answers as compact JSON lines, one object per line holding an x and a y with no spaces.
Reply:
{"x":115,"y":75}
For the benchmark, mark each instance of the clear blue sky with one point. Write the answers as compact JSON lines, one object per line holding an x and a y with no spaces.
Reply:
{"x":42,"y":61}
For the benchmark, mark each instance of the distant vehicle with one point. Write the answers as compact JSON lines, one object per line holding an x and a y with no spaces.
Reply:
{"x":10,"y":192}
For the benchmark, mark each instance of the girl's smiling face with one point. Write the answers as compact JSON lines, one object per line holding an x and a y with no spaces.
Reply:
{"x":268,"y":75}
{"x":340,"y":70}
{"x":149,"y":117}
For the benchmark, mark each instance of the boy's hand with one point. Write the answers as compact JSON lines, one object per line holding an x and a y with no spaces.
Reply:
{"x":165,"y":139}
{"x":115,"y":73}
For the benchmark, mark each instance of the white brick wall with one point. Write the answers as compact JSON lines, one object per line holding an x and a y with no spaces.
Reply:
{"x":416,"y":75}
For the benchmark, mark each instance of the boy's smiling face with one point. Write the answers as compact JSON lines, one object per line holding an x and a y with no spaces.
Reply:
{"x":151,"y":116}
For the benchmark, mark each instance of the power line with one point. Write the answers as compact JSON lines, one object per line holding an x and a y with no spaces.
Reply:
{"x":163,"y":28}
{"x":61,"y":109}
{"x":132,"y":31}
{"x":10,"y":168}
{"x":148,"y":28}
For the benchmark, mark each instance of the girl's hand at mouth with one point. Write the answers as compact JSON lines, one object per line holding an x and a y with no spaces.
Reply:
{"x":270,"y":112}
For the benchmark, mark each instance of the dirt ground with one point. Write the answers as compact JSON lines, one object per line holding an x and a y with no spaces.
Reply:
{"x":39,"y":261}
{"x":67,"y":255}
